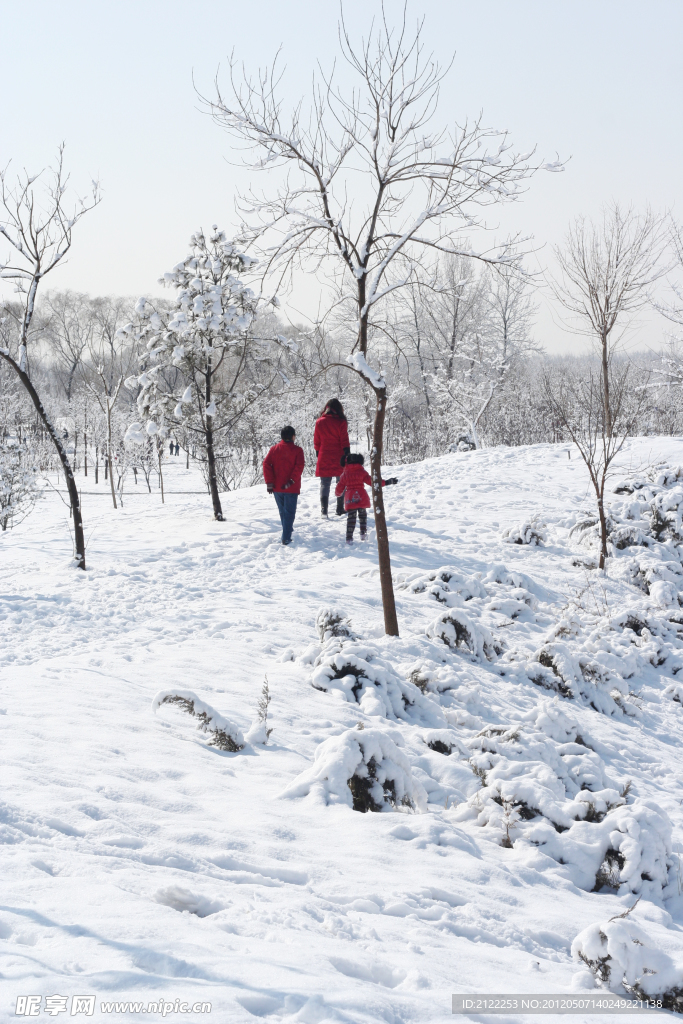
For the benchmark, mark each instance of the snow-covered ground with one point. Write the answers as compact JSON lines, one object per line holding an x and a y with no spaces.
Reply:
{"x":140,"y":862}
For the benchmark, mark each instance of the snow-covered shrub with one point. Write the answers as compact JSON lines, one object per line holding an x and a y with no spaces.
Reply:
{"x":575,"y":671}
{"x":651,"y":515}
{"x":458,"y":630}
{"x":224,"y":734}
{"x":444,"y":741}
{"x":674,"y":692}
{"x":364,"y":769}
{"x":529,"y":531}
{"x":330,"y":622}
{"x":566,"y":807}
{"x":446,"y":585}
{"x":260,"y":730}
{"x":465,"y":443}
{"x":623,"y":958}
{"x":358,"y":673}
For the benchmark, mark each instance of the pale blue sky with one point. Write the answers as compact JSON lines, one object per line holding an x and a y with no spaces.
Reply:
{"x":597,"y":80}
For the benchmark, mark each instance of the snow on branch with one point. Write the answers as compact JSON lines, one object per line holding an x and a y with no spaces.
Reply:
{"x":224,"y":734}
{"x":360,"y":364}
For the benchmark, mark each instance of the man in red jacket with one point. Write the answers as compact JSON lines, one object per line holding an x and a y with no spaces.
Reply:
{"x":282,"y":469}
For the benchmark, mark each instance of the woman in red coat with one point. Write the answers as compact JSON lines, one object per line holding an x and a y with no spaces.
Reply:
{"x":331,"y":443}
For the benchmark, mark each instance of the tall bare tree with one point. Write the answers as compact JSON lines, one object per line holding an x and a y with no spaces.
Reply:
{"x":111,"y":358}
{"x":38,"y":228}
{"x":371,"y":190}
{"x":69,"y":331}
{"x":577,"y":400}
{"x":606,"y":273}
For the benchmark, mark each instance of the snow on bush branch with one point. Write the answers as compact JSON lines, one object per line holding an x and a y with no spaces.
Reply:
{"x":364,"y":769}
{"x":547,"y":792}
{"x":529,"y":531}
{"x":224,"y":734}
{"x":623,"y":958}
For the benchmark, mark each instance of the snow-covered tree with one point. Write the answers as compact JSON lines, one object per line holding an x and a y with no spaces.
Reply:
{"x":194,"y":370}
{"x":18,"y":482}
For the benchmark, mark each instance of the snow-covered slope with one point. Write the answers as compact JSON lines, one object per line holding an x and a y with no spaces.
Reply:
{"x":522,"y":738}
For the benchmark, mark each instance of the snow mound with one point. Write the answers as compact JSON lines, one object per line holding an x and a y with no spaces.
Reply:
{"x":364,"y":769}
{"x":545,"y":791}
{"x":623,"y":958}
{"x":187,"y":902}
{"x":529,"y":531}
{"x":224,"y":734}
{"x":357,"y":672}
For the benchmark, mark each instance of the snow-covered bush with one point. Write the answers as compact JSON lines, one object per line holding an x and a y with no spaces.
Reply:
{"x":260,"y":730}
{"x":18,"y":483}
{"x":446,"y":585}
{"x":364,"y":769}
{"x":224,"y":734}
{"x":566,"y":806}
{"x":574,"y":670}
{"x":650,"y":516}
{"x":529,"y":531}
{"x":457,"y":629}
{"x":473,"y":603}
{"x":358,"y":673}
{"x":330,"y":622}
{"x":622,"y":957}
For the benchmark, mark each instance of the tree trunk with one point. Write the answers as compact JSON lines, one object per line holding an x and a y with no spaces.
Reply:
{"x":603,"y":533}
{"x":383,"y":555}
{"x":161,"y":476}
{"x":79,"y":537}
{"x":211,"y":457}
{"x":605,"y":387}
{"x":111,"y":468}
{"x":213,"y":479}
{"x":85,"y":453}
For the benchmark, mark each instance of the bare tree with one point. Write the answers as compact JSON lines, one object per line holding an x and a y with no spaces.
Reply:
{"x":112,"y":357}
{"x":606,"y":275}
{"x":370,"y":191}
{"x":578,"y":402}
{"x":40,"y":236}
{"x":69,"y":331}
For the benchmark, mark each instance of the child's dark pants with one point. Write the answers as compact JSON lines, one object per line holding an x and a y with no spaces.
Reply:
{"x":351,"y":522}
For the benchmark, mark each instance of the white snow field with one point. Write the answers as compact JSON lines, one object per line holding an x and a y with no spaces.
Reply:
{"x":521,"y":742}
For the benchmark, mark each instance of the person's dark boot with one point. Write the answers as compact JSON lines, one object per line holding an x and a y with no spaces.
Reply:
{"x":340,"y":506}
{"x":323,"y":509}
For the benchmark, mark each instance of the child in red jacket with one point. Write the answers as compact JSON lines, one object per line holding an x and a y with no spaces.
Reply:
{"x":356,"y":498}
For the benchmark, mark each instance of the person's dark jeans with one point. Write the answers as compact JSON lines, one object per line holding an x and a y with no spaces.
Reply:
{"x":286,"y":506}
{"x":325,"y":484}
